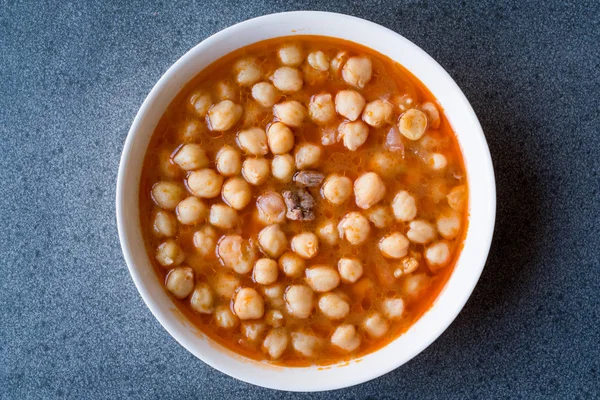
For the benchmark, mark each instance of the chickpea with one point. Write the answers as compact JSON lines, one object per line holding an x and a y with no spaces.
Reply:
{"x":299,"y":301}
{"x":354,"y":227}
{"x":191,"y":211}
{"x":420,"y":232}
{"x":274,"y":318}
{"x":448,"y":225}
{"x":229,"y":161}
{"x":236,"y":193}
{"x":226,"y":90}
{"x":253,"y":330}
{"x":253,"y":141}
{"x":415,"y":284}
{"x":438,"y":161}
{"x":408,"y":265}
{"x":433,"y":115}
{"x":313,"y":76}
{"x":168,"y":169}
{"x":274,"y":295}
{"x":322,"y":278}
{"x":375,"y":325}
{"x":265,"y":271}
{"x":357,"y":71}
{"x":378,"y":113}
{"x":353,"y":134}
{"x":437,"y":255}
{"x":236,"y":253}
{"x":305,"y":344}
{"x":202,"y":300}
{"x":333,"y":306}
{"x":272,"y":241}
{"x":271,"y":208}
{"x":346,"y":337}
{"x":292,"y":264}
{"x":205,"y":241}
{"x":191,"y":131}
{"x":386,"y":164}
{"x":205,"y":183}
{"x":307,"y":155}
{"x":276,"y":342}
{"x":169,"y":253}
{"x":394,"y":245}
{"x":191,"y":156}
{"x":380,"y":216}
{"x":280,"y":138}
{"x":350,"y":269}
{"x":167,"y":195}
{"x":457,"y":198}
{"x":392,"y":308}
{"x":290,"y":54}
{"x":180,"y":282}
{"x":265,"y":94}
{"x":225,"y":318}
{"x":222,"y":216}
{"x":318,"y":60}
{"x":247,"y":71}
{"x":223,"y":115}
{"x":337,"y":189}
{"x":368,"y":190}
{"x":349,"y":104}
{"x":248,"y":304}
{"x":165,"y":224}
{"x":327,"y":232}
{"x":321,"y":108}
{"x":305,"y":244}
{"x":200,"y":101}
{"x":291,"y":113}
{"x":225,"y":285}
{"x":404,"y":206}
{"x":255,"y":170}
{"x":337,"y":62}
{"x":287,"y":79}
{"x":283,"y":167}
{"x":412,"y":124}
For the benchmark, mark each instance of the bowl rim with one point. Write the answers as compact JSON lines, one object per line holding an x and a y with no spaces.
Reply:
{"x":344,"y":380}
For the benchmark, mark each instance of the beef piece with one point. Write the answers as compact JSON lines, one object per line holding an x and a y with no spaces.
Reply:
{"x":308,"y":178}
{"x":299,"y":204}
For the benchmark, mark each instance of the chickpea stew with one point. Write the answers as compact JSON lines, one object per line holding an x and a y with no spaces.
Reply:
{"x":304,"y":200}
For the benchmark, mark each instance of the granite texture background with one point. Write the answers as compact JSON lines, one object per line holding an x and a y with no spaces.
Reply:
{"x":74,"y":73}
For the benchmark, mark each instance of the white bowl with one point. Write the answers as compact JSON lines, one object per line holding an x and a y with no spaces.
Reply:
{"x":482,"y":201}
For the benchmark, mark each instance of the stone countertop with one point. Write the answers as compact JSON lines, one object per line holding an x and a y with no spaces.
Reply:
{"x":72,"y":77}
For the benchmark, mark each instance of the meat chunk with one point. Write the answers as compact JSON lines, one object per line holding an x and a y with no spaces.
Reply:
{"x":299,"y":204}
{"x":308,"y":178}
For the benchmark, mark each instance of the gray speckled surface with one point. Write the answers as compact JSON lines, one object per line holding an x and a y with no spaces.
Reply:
{"x":72,"y":76}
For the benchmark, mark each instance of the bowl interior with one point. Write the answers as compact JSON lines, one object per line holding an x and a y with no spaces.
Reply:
{"x":481,"y":203}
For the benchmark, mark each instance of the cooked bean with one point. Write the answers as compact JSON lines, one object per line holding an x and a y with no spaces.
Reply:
{"x":357,"y":71}
{"x":287,"y":79}
{"x":167,"y":195}
{"x":225,"y":318}
{"x":253,"y":330}
{"x":412,"y":124}
{"x":229,"y":161}
{"x":248,"y":304}
{"x":327,"y":232}
{"x":205,"y":183}
{"x":369,"y":190}
{"x":222,"y":216}
{"x":321,"y":108}
{"x":375,"y":325}
{"x":280,"y":138}
{"x":307,"y":155}
{"x":313,"y":76}
{"x":255,"y":170}
{"x":420,"y":232}
{"x":180,"y":282}
{"x":305,"y":244}
{"x":322,"y":278}
{"x":236,"y":193}
{"x":202,"y":300}
{"x":408,"y":265}
{"x":380,"y":216}
{"x":168,"y":169}
{"x":253,"y":141}
{"x":191,"y":211}
{"x":236,"y":253}
{"x":265,"y":94}
{"x":394,"y":245}
{"x":438,"y":161}
{"x":271,"y":208}
{"x":226,"y":90}
{"x":318,"y":60}
{"x":350,"y":269}
{"x":392,"y":308}
{"x":299,"y":301}
{"x":265,"y":271}
{"x":386,"y":164}
{"x":247,"y":71}
{"x":205,"y":241}
{"x":457,"y":198}
{"x":305,"y":344}
{"x":433,"y":115}
{"x":308,"y":179}
{"x":338,"y":61}
{"x":415,"y":284}
{"x":437,"y":255}
{"x":274,"y":295}
{"x":333,"y":306}
{"x":276,"y":342}
{"x":291,"y":113}
{"x":191,"y":156}
{"x":191,"y":131}
{"x":274,"y":318}
{"x":165,"y":224}
{"x":448,"y":225}
{"x":291,"y":54}
{"x":353,"y":134}
{"x":272,"y":241}
{"x":292,"y":264}
{"x":404,"y":206}
{"x":169,"y":253}
{"x":283,"y":167}
{"x":223,"y":115}
{"x":354,"y":227}
{"x":349,"y":104}
{"x":346,"y":337}
{"x":225,"y":284}
{"x":200,"y":101}
{"x":378,"y":113}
